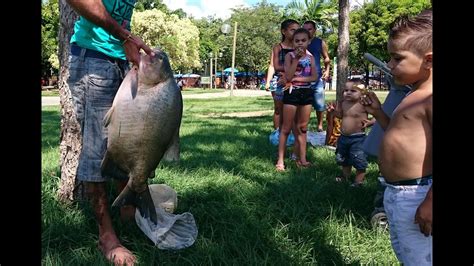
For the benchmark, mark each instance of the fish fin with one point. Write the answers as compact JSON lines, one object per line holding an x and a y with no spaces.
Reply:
{"x":142,"y":201}
{"x":132,"y":80}
{"x":108,"y":116}
{"x":109,"y":168}
{"x":134,"y":87}
{"x":172,"y":152}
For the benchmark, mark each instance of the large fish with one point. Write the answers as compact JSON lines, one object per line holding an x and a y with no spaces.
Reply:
{"x":143,"y":127}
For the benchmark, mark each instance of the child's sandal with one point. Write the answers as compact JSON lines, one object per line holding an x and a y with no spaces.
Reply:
{"x":303,"y":165}
{"x":280,"y":167}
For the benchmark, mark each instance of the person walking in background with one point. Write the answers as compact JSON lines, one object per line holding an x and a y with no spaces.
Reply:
{"x":100,"y":47}
{"x":319,"y":49}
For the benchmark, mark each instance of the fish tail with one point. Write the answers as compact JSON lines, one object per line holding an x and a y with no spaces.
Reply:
{"x":142,"y":201}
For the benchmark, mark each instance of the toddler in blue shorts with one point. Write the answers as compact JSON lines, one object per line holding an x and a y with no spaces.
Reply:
{"x":354,"y":120}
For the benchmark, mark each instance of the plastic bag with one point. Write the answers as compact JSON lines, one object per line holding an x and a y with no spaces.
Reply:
{"x":316,"y":138}
{"x":275,"y":138}
{"x":172,"y":231}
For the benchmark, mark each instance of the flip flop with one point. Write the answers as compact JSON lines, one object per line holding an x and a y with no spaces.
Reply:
{"x":280,"y":167}
{"x":340,"y":179}
{"x":360,"y":184}
{"x":303,"y":165}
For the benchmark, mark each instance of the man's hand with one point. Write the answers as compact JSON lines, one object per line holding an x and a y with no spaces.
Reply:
{"x":325,"y":75}
{"x":424,"y":216}
{"x":132,"y":46}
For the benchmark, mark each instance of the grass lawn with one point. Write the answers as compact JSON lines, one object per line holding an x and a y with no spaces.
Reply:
{"x":246,"y":213}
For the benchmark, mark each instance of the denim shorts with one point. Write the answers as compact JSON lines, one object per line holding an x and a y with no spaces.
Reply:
{"x":349,"y":151}
{"x":93,"y":83}
{"x":410,"y":245}
{"x":278,"y":93}
{"x":318,"y":96}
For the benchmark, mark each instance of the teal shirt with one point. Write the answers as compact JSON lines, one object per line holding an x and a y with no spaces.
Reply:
{"x":88,"y":35}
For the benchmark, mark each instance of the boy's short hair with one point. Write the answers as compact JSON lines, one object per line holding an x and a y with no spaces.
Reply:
{"x":416,"y":32}
{"x":358,"y":84}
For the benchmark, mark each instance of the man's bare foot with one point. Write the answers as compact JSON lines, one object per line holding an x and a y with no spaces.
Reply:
{"x":115,"y":252}
{"x":127,"y":213}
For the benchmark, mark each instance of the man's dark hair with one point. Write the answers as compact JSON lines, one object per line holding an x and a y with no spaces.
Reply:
{"x":310,"y":22}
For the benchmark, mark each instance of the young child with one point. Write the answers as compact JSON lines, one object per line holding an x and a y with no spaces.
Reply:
{"x":405,"y":156}
{"x":354,"y":118}
{"x":300,"y":71}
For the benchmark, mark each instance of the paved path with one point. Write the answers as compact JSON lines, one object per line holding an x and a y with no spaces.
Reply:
{"x":54,"y":100}
{"x":49,"y":100}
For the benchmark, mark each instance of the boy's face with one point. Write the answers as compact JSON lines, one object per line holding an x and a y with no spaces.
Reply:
{"x":301,"y":40}
{"x":351,"y":93}
{"x":310,"y":28}
{"x":406,"y":66}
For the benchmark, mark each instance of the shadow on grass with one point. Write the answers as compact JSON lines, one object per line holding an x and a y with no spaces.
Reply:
{"x":277,"y":222}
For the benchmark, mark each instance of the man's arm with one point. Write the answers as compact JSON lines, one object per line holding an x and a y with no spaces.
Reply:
{"x":94,"y":11}
{"x":326,"y":60}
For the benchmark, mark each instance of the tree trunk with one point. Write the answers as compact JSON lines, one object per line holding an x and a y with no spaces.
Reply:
{"x":70,"y":139}
{"x":342,"y":47}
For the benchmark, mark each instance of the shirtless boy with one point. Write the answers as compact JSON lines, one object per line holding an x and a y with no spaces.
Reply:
{"x":405,"y":157}
{"x":354,"y":117}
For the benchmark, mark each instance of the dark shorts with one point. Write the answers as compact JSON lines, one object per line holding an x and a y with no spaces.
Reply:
{"x":301,"y":96}
{"x":349,"y":151}
{"x":93,"y":83}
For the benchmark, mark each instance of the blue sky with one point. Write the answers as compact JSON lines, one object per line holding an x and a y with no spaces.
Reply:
{"x":219,"y":8}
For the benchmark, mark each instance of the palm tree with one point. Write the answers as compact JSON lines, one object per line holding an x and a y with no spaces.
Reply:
{"x":323,"y":12}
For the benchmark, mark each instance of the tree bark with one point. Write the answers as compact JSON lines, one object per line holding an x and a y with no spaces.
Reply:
{"x":342,"y":47}
{"x":70,"y":139}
